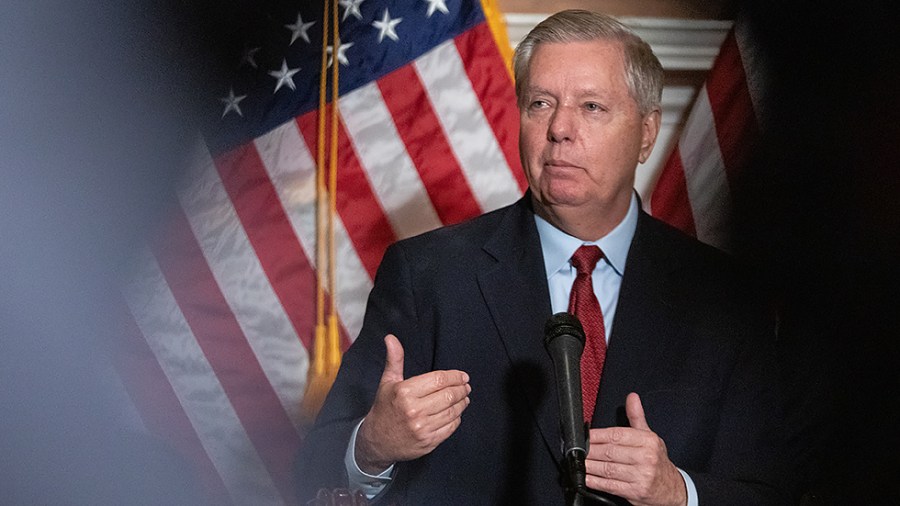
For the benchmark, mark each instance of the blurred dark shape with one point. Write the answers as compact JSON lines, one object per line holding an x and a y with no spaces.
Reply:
{"x":819,"y":215}
{"x":338,"y":497}
{"x":96,"y":119}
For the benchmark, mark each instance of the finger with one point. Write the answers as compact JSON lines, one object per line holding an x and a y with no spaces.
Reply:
{"x":635,"y":412}
{"x":609,"y":452}
{"x":447,"y":430}
{"x":610,"y":470}
{"x":615,"y":487}
{"x":433,"y":427}
{"x":435,"y":381}
{"x":448,"y":414}
{"x":444,"y":398}
{"x":623,"y":436}
{"x":393,"y":364}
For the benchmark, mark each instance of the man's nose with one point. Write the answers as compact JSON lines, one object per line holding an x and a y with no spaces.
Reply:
{"x":562,"y":125}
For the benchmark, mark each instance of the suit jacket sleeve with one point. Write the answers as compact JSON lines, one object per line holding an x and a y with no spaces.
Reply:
{"x":390,"y":309}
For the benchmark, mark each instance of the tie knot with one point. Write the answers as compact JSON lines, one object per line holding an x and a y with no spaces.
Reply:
{"x":585,"y":258}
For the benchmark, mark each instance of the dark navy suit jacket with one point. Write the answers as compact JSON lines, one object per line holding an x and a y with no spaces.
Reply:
{"x":689,"y":337}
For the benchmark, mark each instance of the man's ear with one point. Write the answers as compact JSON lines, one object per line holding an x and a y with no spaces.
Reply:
{"x":650,"y":131}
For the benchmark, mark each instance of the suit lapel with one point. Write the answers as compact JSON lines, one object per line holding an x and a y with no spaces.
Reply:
{"x":515,"y":291}
{"x":644,"y":317}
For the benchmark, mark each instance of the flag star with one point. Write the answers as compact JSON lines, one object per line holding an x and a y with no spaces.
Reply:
{"x":299,"y":29}
{"x":231,"y":103}
{"x":434,"y":5}
{"x":285,"y":76}
{"x":341,"y":53}
{"x":351,"y":7}
{"x":386,"y":27}
{"x":249,"y":57}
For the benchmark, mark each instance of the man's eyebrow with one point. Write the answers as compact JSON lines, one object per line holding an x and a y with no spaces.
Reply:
{"x":579,"y":93}
{"x":537,"y":90}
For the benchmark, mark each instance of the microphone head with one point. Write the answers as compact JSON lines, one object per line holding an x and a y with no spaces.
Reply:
{"x":562,"y":324}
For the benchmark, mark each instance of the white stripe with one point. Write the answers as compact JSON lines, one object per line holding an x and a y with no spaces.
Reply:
{"x":244,"y":284}
{"x":704,"y":172}
{"x":382,"y":154}
{"x":195,"y":384}
{"x":468,"y":131}
{"x":292,"y":170}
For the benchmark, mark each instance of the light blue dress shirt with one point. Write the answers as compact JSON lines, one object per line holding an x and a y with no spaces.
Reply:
{"x":557,"y":247}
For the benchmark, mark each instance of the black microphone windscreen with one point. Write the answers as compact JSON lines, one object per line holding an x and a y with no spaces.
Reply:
{"x":563,"y":324}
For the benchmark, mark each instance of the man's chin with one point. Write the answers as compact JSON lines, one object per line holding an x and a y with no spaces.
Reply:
{"x":564,"y":196}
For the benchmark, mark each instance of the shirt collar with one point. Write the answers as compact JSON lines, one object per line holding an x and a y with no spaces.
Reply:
{"x":558,"y":246}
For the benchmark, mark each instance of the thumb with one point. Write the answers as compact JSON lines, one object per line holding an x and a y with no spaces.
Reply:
{"x":393,"y":365}
{"x":635,"y":412}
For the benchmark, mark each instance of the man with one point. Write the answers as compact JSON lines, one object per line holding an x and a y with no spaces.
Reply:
{"x":447,"y":396}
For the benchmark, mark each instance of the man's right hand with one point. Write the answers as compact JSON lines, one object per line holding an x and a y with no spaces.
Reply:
{"x":411,"y":417}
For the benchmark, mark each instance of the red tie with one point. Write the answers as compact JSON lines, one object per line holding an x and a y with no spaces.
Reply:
{"x":583,"y":304}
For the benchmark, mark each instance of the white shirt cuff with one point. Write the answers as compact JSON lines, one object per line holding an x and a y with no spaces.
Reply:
{"x":692,"y":499}
{"x":371,"y":485}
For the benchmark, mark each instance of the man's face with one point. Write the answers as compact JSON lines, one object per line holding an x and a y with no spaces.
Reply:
{"x":582,"y":134}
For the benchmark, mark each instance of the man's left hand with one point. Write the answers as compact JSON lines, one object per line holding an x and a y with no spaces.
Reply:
{"x":632,"y":462}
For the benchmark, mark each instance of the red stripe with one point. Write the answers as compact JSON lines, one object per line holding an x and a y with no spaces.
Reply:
{"x":226,"y":348}
{"x":427,"y":145}
{"x":271,"y":235}
{"x":732,"y":108}
{"x":490,"y":80}
{"x":360,"y":211}
{"x":669,"y":201}
{"x":159,"y":407}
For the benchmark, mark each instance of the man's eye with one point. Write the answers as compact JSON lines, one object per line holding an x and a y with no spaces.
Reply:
{"x":592,"y":106}
{"x":538,"y":104}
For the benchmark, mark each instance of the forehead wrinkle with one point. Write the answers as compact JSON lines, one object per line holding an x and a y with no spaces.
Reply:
{"x":579,"y":92}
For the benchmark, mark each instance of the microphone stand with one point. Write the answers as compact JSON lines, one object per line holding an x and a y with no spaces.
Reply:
{"x":576,"y":474}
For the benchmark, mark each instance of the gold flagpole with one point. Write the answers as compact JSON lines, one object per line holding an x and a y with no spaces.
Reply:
{"x":326,"y":347}
{"x":333,"y":361}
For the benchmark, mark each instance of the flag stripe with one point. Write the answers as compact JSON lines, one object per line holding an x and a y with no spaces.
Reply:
{"x":495,"y":93}
{"x":159,"y":407}
{"x":270,"y":233}
{"x":420,"y":130}
{"x":714,"y":148}
{"x":291,"y":168}
{"x":732,"y":108}
{"x":161,"y":320}
{"x":243,"y":282}
{"x":669,"y":200}
{"x":234,"y":364}
{"x":470,"y":135}
{"x":387,"y":165}
{"x":704,"y":172}
{"x":362,"y":214}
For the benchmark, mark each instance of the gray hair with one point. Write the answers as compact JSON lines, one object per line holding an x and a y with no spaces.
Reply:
{"x":643,"y":72}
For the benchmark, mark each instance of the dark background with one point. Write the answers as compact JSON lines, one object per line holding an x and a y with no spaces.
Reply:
{"x":819,"y":218}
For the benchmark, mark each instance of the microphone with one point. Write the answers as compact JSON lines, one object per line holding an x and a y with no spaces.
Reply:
{"x":564,"y":340}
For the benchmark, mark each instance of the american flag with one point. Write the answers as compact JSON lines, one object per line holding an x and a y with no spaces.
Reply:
{"x":693,"y":192}
{"x":222,"y":302}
